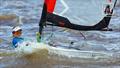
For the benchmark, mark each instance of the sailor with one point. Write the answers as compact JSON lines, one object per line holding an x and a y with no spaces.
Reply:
{"x":107,"y":10}
{"x":17,"y":32}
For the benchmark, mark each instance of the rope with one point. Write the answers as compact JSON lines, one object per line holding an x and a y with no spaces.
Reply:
{"x":51,"y":35}
{"x":83,"y":35}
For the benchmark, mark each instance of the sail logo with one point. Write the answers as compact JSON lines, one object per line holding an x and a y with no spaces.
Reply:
{"x":66,"y":7}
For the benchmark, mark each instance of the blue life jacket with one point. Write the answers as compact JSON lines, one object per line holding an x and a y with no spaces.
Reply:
{"x":16,"y":40}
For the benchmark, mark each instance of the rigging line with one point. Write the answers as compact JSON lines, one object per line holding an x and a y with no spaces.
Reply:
{"x":51,"y":35}
{"x":83,"y":36}
{"x":52,"y":32}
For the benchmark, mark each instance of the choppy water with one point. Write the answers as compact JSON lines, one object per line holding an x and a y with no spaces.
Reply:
{"x":96,"y":40}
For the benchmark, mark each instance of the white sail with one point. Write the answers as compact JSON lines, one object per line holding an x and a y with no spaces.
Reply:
{"x":83,"y":12}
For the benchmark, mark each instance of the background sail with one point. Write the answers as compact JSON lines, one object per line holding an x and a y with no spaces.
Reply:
{"x":82,"y":12}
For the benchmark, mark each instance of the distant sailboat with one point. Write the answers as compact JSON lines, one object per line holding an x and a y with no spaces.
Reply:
{"x":7,"y":17}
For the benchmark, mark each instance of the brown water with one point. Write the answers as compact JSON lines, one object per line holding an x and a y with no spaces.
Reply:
{"x":43,"y":59}
{"x":33,"y":61}
{"x":40,"y":60}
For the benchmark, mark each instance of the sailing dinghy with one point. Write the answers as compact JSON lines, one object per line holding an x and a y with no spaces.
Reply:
{"x":101,"y":21}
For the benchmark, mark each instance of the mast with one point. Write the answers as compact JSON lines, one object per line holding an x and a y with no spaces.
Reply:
{"x":48,"y":6}
{"x":43,"y":18}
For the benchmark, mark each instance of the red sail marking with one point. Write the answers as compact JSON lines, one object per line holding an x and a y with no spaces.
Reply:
{"x":50,"y":5}
{"x":110,"y":0}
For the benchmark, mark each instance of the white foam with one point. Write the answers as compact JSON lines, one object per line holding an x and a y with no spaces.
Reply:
{"x":1,"y":57}
{"x":29,"y":47}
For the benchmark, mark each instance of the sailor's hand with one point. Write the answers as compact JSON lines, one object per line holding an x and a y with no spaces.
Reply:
{"x":38,"y":37}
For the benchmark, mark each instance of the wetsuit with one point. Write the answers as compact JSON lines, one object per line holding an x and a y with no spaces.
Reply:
{"x":16,"y":40}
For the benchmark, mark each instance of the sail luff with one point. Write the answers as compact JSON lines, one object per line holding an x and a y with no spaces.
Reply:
{"x":43,"y":17}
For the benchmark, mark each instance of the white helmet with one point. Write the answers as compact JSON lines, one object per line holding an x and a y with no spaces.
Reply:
{"x":17,"y":28}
